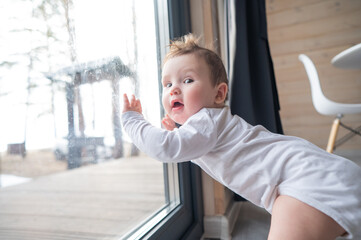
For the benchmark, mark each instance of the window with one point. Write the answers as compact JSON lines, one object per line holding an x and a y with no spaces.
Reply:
{"x":67,"y":169}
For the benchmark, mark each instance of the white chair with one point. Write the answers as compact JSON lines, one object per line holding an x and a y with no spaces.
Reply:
{"x":325,"y":106}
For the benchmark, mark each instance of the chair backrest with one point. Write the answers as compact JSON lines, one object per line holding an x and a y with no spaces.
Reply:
{"x":320,"y":102}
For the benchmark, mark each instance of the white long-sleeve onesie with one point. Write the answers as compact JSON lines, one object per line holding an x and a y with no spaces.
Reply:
{"x":257,"y":164}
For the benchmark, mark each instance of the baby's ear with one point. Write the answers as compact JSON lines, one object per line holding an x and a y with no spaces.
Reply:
{"x":222,"y":90}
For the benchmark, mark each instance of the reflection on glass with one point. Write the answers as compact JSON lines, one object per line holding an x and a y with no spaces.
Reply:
{"x":67,"y":169}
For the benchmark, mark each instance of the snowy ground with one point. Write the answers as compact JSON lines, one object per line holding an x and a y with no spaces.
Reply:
{"x":7,"y":180}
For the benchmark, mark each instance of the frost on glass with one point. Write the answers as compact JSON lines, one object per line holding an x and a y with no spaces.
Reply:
{"x":80,"y":145}
{"x":67,"y":169}
{"x":63,"y":65}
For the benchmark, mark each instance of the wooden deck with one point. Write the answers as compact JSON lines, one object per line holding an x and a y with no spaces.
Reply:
{"x":101,"y":201}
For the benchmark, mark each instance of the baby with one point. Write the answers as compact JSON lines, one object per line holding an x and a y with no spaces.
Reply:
{"x":310,"y":193}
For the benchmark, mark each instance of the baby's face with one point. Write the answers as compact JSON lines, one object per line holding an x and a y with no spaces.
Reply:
{"x":187,"y":87}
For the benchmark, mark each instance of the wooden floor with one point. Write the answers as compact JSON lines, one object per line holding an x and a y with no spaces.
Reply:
{"x":101,"y":201}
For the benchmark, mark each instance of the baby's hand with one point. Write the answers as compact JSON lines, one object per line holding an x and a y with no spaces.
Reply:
{"x":168,"y":123}
{"x":133,"y":105}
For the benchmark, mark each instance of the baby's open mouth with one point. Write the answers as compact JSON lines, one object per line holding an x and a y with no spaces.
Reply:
{"x":177,"y":105}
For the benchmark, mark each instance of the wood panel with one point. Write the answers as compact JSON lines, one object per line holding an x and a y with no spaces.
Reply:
{"x":311,"y":11}
{"x":205,"y":12}
{"x":280,"y":5}
{"x":320,"y":29}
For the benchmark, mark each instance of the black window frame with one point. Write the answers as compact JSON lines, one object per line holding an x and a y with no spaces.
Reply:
{"x":186,"y":220}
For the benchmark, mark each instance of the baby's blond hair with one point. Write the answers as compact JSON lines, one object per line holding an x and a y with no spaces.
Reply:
{"x":189,"y":44}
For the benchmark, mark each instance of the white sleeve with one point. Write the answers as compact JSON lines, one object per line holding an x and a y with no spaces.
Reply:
{"x":194,"y":139}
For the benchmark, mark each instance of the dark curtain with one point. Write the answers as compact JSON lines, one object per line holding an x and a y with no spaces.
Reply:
{"x":253,"y":92}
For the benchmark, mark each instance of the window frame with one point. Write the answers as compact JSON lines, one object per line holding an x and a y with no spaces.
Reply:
{"x":185,"y":221}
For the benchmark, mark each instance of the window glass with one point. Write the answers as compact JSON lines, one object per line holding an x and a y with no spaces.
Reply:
{"x":67,"y":168}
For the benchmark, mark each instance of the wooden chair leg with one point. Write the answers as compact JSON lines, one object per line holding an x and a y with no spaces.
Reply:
{"x":333,"y":135}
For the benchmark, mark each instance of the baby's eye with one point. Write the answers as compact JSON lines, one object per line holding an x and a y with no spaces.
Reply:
{"x":188,"y":81}
{"x":168,"y":85}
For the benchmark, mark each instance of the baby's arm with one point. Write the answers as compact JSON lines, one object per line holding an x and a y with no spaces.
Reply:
{"x":189,"y":142}
{"x":133,"y":105}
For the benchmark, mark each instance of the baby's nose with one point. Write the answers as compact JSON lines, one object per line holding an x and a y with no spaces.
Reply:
{"x":175,"y":91}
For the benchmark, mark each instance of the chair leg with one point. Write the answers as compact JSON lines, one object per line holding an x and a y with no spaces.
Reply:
{"x":333,"y":135}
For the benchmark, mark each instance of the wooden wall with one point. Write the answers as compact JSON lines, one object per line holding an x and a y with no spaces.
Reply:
{"x":204,"y":22}
{"x":320,"y":29}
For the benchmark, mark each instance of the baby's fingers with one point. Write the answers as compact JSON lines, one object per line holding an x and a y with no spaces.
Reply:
{"x":139,"y":106}
{"x":132,"y":105}
{"x":168,"y":123}
{"x":126,"y":104}
{"x":133,"y":102}
{"x":125,"y":99}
